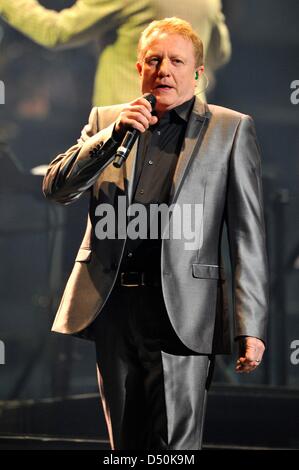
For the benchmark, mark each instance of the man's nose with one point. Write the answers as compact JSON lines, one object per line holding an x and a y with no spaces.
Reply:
{"x":164,"y":69}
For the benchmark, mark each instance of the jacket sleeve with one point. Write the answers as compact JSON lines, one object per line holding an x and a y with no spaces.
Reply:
{"x":72,"y":26}
{"x":71,"y":173}
{"x":246,"y":234}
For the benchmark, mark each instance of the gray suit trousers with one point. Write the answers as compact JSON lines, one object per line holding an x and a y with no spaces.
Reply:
{"x":153,"y":388}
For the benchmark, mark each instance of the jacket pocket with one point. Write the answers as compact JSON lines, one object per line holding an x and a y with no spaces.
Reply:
{"x":83,"y":255}
{"x":207,"y":271}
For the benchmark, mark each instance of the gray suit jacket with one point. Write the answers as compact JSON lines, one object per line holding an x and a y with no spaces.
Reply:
{"x":218,"y":168}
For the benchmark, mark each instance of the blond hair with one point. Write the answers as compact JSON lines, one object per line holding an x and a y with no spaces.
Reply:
{"x":172,"y":25}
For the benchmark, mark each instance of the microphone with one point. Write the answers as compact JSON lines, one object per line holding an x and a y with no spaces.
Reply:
{"x":130,"y":138}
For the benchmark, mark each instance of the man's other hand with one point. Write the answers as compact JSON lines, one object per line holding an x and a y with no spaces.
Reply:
{"x":251,"y":351}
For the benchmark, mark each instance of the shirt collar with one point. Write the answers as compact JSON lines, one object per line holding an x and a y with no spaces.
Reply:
{"x":183,"y":110}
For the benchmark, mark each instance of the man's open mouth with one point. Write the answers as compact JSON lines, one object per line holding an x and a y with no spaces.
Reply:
{"x":167,"y":87}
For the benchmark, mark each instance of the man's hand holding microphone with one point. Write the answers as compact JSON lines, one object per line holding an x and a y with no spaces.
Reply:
{"x":134,"y":119}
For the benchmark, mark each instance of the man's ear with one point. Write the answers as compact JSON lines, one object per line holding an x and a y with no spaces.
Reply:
{"x":139,"y":68}
{"x":200,"y":70}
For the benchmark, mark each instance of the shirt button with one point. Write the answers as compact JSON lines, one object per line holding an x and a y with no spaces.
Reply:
{"x":159,"y":132}
{"x":150,"y":162}
{"x":130,"y":254}
{"x":141,"y":191}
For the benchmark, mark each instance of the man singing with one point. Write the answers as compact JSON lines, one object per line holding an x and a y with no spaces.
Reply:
{"x":156,"y":306}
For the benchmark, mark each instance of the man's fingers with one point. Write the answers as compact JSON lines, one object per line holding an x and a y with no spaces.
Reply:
{"x":142,"y":102}
{"x":136,"y":125}
{"x":138,"y":118}
{"x":247,"y":364}
{"x":153,"y":120}
{"x":140,"y":122}
{"x":251,"y":352}
{"x":140,"y":109}
{"x":137,"y":115}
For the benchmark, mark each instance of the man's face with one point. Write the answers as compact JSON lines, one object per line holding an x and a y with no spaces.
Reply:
{"x":167,"y":70}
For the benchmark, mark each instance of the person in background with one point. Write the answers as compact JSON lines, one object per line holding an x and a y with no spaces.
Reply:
{"x":115,"y":27}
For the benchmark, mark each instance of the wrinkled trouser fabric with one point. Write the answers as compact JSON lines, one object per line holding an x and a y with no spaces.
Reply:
{"x":153,"y":388}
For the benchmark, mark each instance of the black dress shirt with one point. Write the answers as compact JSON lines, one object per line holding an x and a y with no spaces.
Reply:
{"x":157,"y":154}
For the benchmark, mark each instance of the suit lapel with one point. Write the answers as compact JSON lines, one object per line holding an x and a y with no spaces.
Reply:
{"x":194,"y":134}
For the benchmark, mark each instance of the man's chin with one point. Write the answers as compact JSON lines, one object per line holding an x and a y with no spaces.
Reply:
{"x":163,"y":104}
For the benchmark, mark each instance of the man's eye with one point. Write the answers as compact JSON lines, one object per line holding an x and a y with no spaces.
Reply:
{"x":153,"y":61}
{"x":177,"y":61}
